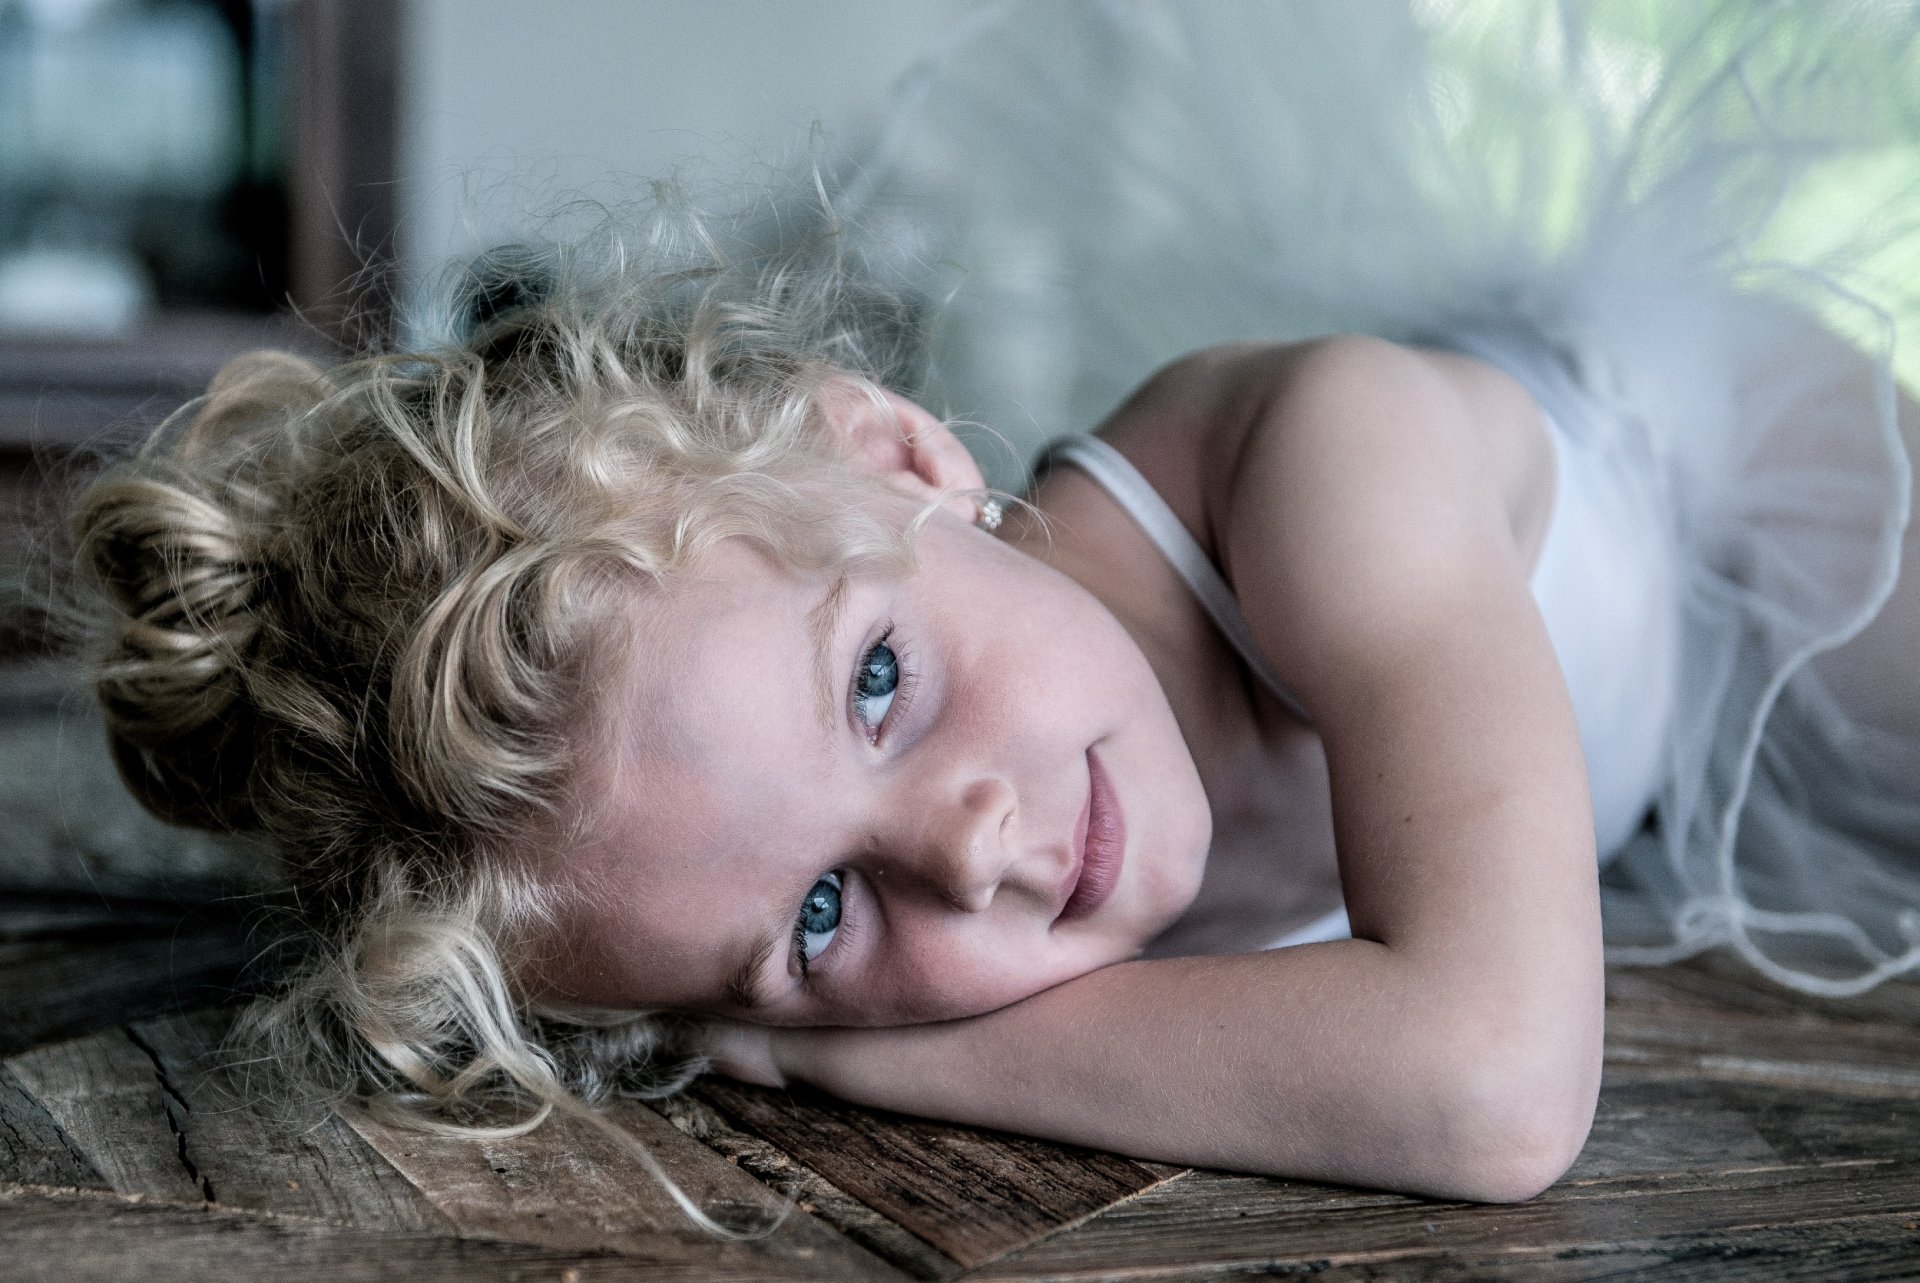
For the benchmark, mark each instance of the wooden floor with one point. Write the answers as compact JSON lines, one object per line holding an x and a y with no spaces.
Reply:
{"x":1741,"y":1135}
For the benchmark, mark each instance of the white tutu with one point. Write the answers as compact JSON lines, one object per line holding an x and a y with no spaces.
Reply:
{"x":1640,"y":201}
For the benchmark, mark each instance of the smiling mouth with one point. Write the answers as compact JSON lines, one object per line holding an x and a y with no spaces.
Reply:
{"x":1101,"y":841}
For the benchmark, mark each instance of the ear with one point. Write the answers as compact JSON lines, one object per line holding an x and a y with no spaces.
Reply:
{"x":895,"y":440}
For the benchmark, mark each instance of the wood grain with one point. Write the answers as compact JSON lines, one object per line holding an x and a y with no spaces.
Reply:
{"x":1649,"y":1125}
{"x":33,"y":1148}
{"x":52,"y":991}
{"x":1220,"y":1222}
{"x":1720,"y":982}
{"x":1741,"y":1134}
{"x":108,"y":1095}
{"x":106,"y":1239}
{"x":247,"y":1154}
{"x":1869,"y":1249}
{"x":810,"y":1191}
{"x":1800,"y":1049}
{"x":568,"y":1186}
{"x":972,"y":1194}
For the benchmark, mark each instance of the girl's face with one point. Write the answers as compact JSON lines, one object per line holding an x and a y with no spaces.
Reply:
{"x":880,"y":798}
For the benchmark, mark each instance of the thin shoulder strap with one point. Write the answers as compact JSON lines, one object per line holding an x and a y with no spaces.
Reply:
{"x":1137,"y":497}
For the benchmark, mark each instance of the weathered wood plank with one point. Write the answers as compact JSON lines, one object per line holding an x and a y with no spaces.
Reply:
{"x":1209,"y":1221}
{"x":568,"y":1186}
{"x":50,"y":994}
{"x":1869,"y":1249}
{"x":247,"y":1155}
{"x":1723,"y":982}
{"x":107,"y":1239}
{"x":1657,"y":1141}
{"x":1742,"y":1133}
{"x":107,"y":1094}
{"x":1801,"y":1049}
{"x":79,"y":1239}
{"x":811,"y":1192}
{"x":974,"y":1195}
{"x":1857,"y":1250}
{"x":33,"y":1149}
{"x":1650,"y":1124}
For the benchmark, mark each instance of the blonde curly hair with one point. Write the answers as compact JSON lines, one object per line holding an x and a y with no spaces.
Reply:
{"x":364,"y":611}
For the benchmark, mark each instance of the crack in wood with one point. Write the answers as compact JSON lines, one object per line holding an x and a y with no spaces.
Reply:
{"x":173,"y":1100}
{"x":805,"y":1190}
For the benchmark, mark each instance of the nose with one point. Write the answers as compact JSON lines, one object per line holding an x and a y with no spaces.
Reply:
{"x":962,"y":852}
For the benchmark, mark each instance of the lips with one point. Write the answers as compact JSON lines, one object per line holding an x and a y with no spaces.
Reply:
{"x":1101,"y":841}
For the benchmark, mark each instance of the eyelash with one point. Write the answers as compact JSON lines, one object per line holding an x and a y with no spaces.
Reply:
{"x":843,"y":932}
{"x":903,"y":691}
{"x":799,"y":942}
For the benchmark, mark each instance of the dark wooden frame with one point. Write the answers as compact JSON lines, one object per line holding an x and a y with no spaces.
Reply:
{"x":56,"y":393}
{"x":342,"y":179}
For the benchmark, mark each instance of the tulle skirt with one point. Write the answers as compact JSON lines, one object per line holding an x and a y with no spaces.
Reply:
{"x":1675,"y":207}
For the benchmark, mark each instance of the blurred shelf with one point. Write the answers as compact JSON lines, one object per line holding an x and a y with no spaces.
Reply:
{"x":57,"y":394}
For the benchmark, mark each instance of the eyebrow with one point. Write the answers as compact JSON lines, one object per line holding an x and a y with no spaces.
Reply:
{"x":747,"y":986}
{"x":822,"y":622}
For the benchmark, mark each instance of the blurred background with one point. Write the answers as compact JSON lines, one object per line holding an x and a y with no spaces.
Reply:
{"x":180,"y":178}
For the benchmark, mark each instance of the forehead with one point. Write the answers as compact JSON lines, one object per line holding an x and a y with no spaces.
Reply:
{"x":728,"y":637}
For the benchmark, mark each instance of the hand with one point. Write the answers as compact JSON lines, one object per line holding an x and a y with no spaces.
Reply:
{"x":743,"y":1051}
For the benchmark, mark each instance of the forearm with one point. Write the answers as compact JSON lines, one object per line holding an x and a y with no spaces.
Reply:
{"x":1345,"y":1062}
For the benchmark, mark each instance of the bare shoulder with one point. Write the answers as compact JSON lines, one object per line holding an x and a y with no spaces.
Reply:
{"x":1359,"y":496}
{"x":1348,"y":485}
{"x":1188,"y":426}
{"x":1195,"y":418}
{"x":1365,"y":516}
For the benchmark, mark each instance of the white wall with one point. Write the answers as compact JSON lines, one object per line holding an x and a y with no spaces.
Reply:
{"x":510,"y":104}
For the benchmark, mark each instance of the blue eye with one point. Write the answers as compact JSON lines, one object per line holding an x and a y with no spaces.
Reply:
{"x":818,"y":921}
{"x":875,"y":683}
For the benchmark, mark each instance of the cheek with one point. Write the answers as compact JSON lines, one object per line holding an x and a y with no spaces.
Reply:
{"x":947,"y":979}
{"x":955,"y":974}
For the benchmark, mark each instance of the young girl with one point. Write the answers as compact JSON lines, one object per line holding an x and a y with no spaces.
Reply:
{"x":642,"y":680}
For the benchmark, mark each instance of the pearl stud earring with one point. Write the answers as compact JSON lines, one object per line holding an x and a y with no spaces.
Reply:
{"x":991,"y":513}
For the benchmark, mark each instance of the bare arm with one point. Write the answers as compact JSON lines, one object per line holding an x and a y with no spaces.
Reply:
{"x":1453,"y":1046}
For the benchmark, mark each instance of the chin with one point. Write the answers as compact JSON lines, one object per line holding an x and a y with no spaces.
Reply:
{"x":1180,"y":876}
